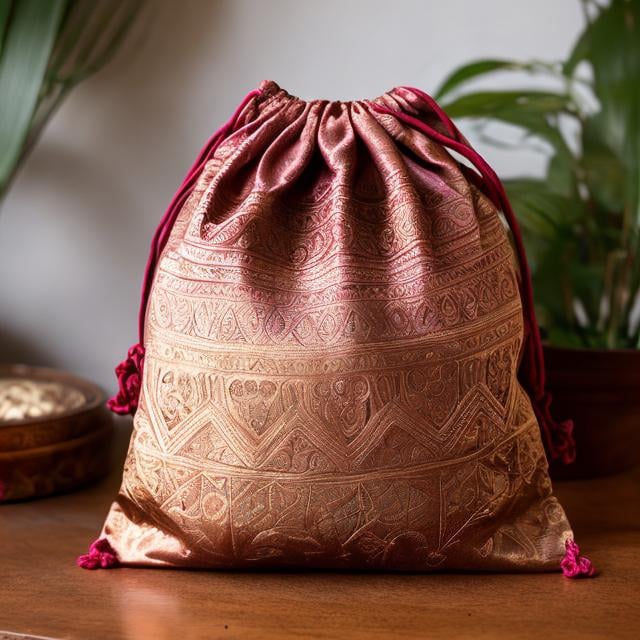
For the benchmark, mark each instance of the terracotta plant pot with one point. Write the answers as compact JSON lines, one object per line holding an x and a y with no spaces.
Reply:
{"x":600,"y":391}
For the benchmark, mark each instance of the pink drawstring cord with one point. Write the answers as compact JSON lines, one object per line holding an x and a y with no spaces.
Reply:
{"x":129,"y":371}
{"x":558,"y":435}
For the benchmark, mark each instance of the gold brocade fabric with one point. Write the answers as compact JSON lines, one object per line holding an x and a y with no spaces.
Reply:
{"x":332,"y":343}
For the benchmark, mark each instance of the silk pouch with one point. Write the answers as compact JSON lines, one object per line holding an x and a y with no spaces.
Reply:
{"x":339,"y":364}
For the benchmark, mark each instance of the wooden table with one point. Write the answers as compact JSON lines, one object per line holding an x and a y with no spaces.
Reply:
{"x":42,"y":593}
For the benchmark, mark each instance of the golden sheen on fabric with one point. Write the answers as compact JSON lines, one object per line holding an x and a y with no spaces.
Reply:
{"x":332,"y":341}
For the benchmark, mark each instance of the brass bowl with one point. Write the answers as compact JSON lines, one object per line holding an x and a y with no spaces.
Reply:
{"x":55,"y":432}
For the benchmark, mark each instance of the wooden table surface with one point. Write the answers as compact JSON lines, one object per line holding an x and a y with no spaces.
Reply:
{"x":42,"y":593}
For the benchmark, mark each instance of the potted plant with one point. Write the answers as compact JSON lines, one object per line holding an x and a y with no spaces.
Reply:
{"x":581,"y":221}
{"x":54,"y":430}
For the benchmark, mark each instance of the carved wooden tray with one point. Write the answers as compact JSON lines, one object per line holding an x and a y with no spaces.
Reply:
{"x":54,"y":432}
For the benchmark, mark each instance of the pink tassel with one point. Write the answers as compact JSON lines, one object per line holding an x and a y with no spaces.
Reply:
{"x":575,"y":566}
{"x":129,"y":373}
{"x":101,"y":556}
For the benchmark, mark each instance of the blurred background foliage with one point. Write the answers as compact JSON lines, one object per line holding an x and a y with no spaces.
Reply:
{"x":581,"y":221}
{"x":47,"y":47}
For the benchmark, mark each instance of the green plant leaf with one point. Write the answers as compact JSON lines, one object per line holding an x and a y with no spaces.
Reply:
{"x":603,"y":169}
{"x":473,"y":70}
{"x":529,"y":110}
{"x":72,"y":29}
{"x":89,"y":35}
{"x":561,"y":176}
{"x":483,"y":103}
{"x":579,"y":52}
{"x":552,"y":285}
{"x":613,"y":50}
{"x":611,"y":44}
{"x":548,"y":221}
{"x":27,"y":48}
{"x":5,"y":12}
{"x":540,"y":210}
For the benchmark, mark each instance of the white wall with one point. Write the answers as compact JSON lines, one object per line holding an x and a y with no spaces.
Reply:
{"x":75,"y":229}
